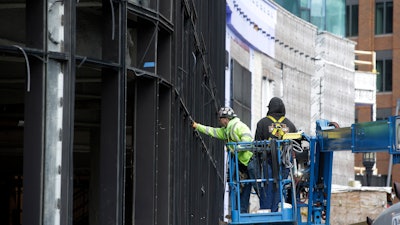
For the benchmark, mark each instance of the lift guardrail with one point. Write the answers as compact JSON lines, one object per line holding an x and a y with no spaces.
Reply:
{"x":286,"y":213}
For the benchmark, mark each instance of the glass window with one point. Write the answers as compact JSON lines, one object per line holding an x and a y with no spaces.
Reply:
{"x":384,"y":76}
{"x":291,"y":6}
{"x":351,"y":20}
{"x":389,"y":17}
{"x":305,"y":3}
{"x":268,"y":87}
{"x":384,"y":69}
{"x":305,"y":10}
{"x":318,"y":14}
{"x":383,"y":113}
{"x":335,"y":16}
{"x":241,"y":92}
{"x":384,"y":17}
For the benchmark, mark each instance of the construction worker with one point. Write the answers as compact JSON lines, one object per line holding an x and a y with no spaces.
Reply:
{"x":273,"y":126}
{"x":233,"y":130}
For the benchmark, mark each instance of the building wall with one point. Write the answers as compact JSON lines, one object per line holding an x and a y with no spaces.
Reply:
{"x":360,"y":203}
{"x":364,"y":113}
{"x":337,"y":94}
{"x":367,"y":40}
{"x":306,"y":68}
{"x":296,"y":54}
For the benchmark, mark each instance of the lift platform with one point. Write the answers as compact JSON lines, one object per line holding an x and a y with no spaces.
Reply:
{"x":286,"y":215}
{"x":309,"y":161}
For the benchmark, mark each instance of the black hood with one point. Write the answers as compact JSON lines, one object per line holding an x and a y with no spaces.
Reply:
{"x":276,"y":107}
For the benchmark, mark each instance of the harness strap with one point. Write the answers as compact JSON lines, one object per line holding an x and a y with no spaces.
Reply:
{"x":277,"y":131}
{"x":274,"y":120}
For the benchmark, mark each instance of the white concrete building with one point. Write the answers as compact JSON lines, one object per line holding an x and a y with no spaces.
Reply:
{"x":273,"y":53}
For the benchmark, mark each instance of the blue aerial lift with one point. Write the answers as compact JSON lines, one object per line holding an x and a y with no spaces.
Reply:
{"x":309,"y":160}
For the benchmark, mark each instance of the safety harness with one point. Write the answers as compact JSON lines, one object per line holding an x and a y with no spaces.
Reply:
{"x":277,"y":129}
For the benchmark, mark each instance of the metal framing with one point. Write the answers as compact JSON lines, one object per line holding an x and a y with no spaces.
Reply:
{"x":107,"y":136}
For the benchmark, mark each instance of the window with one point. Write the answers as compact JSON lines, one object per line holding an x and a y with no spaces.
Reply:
{"x":383,"y":17}
{"x":351,"y":20}
{"x":268,"y":87}
{"x":241,"y":92}
{"x":305,"y":10}
{"x":384,"y":69}
{"x":335,"y":17}
{"x":291,"y":6}
{"x":383,"y":113}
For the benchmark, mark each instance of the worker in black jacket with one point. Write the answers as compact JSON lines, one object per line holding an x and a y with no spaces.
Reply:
{"x":266,"y":130}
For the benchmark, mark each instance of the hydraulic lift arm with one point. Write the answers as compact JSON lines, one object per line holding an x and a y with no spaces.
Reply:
{"x":376,"y":136}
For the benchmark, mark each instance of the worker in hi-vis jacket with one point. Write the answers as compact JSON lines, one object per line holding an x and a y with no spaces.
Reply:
{"x":234,"y":130}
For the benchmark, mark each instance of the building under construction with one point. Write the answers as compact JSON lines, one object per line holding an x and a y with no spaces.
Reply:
{"x":97,"y":99}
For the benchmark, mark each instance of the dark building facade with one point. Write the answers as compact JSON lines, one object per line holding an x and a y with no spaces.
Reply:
{"x":97,"y":100}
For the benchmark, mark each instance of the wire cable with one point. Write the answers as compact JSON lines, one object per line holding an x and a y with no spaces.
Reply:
{"x":28,"y":70}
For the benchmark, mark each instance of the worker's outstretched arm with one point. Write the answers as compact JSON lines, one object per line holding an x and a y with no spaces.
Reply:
{"x":211,"y":131}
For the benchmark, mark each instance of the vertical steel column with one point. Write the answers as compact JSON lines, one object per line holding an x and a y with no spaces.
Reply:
{"x":112,"y":132}
{"x":33,"y":147}
{"x":54,"y":86}
{"x":111,"y":149}
{"x":68,"y":103}
{"x":163,"y":156}
{"x":34,"y":119}
{"x":145,"y":151}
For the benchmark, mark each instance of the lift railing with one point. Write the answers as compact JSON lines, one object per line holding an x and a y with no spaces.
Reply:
{"x":263,"y":151}
{"x":309,"y":161}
